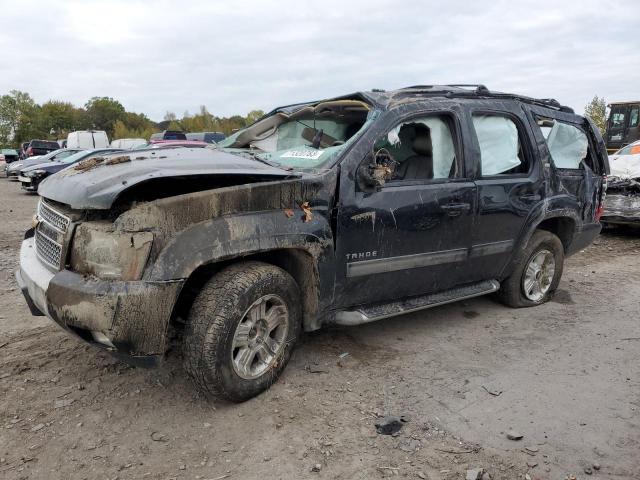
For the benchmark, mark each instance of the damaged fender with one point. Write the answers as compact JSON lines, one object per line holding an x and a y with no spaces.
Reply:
{"x":230,"y":237}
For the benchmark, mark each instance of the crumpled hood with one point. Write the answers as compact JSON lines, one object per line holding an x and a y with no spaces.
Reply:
{"x":625,"y":166}
{"x":94,"y":183}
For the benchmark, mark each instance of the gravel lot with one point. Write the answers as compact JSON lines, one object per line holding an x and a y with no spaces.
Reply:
{"x":565,"y":375}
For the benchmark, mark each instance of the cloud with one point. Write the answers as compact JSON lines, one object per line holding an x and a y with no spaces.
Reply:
{"x":235,"y":57}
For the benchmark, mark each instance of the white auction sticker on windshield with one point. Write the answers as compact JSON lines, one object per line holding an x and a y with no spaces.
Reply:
{"x":309,"y":154}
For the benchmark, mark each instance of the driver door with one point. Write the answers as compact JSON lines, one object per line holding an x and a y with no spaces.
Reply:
{"x":412,"y":235}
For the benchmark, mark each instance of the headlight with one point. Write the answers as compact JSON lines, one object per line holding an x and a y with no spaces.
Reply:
{"x":35,"y":173}
{"x":107,"y":254}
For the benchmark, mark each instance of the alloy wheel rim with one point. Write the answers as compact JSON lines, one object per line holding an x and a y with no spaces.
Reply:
{"x":538,"y":275}
{"x":260,"y":337}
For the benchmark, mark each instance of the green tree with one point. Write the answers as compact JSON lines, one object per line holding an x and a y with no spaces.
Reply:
{"x":254,"y":115}
{"x":596,"y":110}
{"x":103,"y":112}
{"x":61,"y":117}
{"x":20,"y":118}
{"x":174,"y":125}
{"x":134,"y":125}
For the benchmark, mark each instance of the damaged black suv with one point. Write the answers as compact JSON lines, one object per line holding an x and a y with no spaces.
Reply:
{"x":342,"y":211}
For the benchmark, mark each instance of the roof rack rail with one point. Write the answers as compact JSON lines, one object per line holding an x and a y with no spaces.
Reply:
{"x":478,"y":87}
{"x":480,"y":90}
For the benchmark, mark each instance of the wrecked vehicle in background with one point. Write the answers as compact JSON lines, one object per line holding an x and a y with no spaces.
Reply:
{"x":342,"y":211}
{"x":622,"y":203}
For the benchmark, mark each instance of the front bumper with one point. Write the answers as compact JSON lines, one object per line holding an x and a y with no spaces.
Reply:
{"x":29,"y":183}
{"x":130,"y":319}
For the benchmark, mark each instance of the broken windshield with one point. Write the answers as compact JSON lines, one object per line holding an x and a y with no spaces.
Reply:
{"x":309,"y":137}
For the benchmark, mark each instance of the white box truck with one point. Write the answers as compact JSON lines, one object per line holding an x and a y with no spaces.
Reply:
{"x":128,"y":143}
{"x":86,"y":139}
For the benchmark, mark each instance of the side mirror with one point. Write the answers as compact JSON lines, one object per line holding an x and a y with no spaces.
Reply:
{"x":377,"y":169}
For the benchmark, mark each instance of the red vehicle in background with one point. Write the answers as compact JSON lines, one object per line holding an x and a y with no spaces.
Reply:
{"x":173,"y":143}
{"x":41,"y":147}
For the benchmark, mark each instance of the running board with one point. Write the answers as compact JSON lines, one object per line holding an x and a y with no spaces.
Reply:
{"x":371,"y":313}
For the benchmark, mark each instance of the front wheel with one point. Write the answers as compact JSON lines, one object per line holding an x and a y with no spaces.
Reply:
{"x":536,"y":273}
{"x":241,"y":330}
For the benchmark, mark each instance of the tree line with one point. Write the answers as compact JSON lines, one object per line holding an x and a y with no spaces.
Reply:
{"x":22,"y":119}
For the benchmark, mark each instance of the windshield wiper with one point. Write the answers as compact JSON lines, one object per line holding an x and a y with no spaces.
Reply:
{"x":253,"y":154}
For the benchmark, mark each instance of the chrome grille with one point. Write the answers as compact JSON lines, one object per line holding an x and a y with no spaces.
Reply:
{"x":53,"y":218}
{"x":48,"y":250}
{"x":50,"y":235}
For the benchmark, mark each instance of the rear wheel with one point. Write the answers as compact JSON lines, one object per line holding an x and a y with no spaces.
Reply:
{"x":241,"y":330}
{"x":536,"y":273}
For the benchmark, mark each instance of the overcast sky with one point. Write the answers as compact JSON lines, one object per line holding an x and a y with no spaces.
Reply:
{"x":157,"y":56}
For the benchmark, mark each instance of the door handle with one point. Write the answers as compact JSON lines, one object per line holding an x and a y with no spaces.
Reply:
{"x":455,"y":209}
{"x":530,"y":196}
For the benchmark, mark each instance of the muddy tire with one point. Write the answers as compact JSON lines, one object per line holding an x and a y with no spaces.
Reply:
{"x":241,"y":330}
{"x":536,"y":273}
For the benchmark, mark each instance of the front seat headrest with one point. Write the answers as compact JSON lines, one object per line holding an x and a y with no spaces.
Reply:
{"x":422,"y":142}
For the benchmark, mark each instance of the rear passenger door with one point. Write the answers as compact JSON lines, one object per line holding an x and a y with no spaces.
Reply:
{"x":576,"y":170}
{"x":509,"y":182}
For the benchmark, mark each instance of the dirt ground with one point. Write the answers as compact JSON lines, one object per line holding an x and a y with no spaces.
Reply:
{"x":565,"y":375}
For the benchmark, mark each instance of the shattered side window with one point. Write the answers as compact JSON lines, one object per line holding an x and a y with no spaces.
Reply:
{"x":568,"y":145}
{"x":500,"y":146}
{"x":422,"y":149}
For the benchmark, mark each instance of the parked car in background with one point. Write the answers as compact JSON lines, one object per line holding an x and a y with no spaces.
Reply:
{"x":62,"y":142}
{"x":22,"y":152}
{"x":341,"y":211}
{"x":209,"y":137}
{"x":13,"y":170}
{"x":41,"y":147}
{"x":128,"y":143}
{"x":168,"y":135}
{"x":9,"y":155}
{"x":88,"y":139}
{"x":31,"y":177}
{"x":13,"y":176}
{"x":622,"y":203}
{"x":623,"y":125}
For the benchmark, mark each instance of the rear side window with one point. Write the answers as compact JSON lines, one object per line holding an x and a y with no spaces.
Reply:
{"x":568,"y":145}
{"x":174,"y":136}
{"x":44,"y":144}
{"x":500,"y":146}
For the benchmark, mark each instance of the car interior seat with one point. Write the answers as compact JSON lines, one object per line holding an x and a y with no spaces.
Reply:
{"x":419,"y":165}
